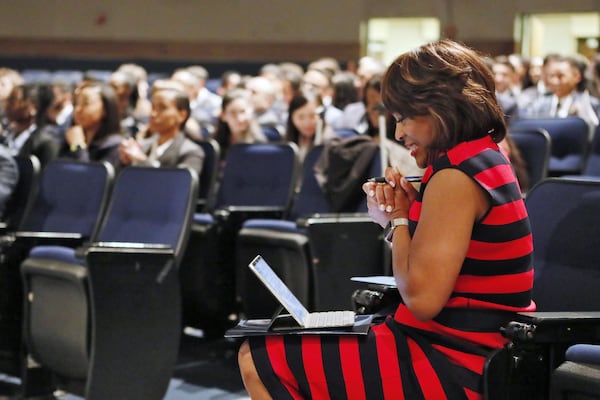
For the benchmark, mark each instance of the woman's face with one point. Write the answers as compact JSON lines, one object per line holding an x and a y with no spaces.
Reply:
{"x":165,"y":116}
{"x":88,"y":108}
{"x":305,"y":119}
{"x":17,"y":109}
{"x":417,"y":133}
{"x":237,"y":115}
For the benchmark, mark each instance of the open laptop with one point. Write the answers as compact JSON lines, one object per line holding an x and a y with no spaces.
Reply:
{"x":304,"y":319}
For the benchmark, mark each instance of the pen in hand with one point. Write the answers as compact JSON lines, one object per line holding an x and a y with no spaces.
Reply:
{"x":381,"y":179}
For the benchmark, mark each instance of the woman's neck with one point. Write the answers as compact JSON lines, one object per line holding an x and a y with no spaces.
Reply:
{"x":90,"y":132}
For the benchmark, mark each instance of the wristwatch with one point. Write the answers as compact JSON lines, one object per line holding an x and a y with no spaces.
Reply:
{"x":388,"y":234}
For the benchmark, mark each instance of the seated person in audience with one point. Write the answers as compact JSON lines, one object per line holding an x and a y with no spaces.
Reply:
{"x":230,"y":79}
{"x":9,"y":176}
{"x":291,"y":81}
{"x":455,"y":292}
{"x":305,"y":125}
{"x":207,"y":105}
{"x":504,"y":77}
{"x":202,"y":117}
{"x":344,"y":89}
{"x":263,"y":97}
{"x":566,"y":97}
{"x":9,"y":78}
{"x":319,"y":82}
{"x":60,"y":111}
{"x":533,"y":83}
{"x":96,"y":131}
{"x":140,"y":103}
{"x":237,"y":122}
{"x":168,"y":146}
{"x":127,"y":96}
{"x":28,"y":133}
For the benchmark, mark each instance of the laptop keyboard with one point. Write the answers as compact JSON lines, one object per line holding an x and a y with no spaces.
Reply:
{"x":328,"y":319}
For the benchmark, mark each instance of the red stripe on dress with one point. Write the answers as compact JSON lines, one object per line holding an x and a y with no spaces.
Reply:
{"x":471,"y":395}
{"x":276,"y":352}
{"x":428,"y":379}
{"x":501,"y":250}
{"x":506,"y":213}
{"x":496,"y":176}
{"x":492,"y":339}
{"x":388,"y":364}
{"x":511,"y":283}
{"x":353,"y":378}
{"x":465,"y":302}
{"x":314,"y":370}
{"x":466,"y":150}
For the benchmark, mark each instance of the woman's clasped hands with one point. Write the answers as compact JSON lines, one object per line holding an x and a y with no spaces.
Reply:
{"x":389,"y":200}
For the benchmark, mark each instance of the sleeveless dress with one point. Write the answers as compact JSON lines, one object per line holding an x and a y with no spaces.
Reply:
{"x":443,"y":358}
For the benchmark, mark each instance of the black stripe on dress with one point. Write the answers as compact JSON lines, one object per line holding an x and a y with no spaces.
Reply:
{"x":332,"y":367}
{"x":265,"y":370}
{"x":410,"y":383}
{"x":293,"y":354}
{"x":367,"y":349}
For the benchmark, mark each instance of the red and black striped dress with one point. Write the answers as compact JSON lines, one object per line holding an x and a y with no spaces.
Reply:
{"x":403,"y":358}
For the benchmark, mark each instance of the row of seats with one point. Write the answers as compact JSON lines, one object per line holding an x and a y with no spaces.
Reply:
{"x":565,"y":220}
{"x":97,"y":258}
{"x":566,"y":141}
{"x":260,"y":208}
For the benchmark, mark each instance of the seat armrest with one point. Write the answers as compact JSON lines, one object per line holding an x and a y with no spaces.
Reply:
{"x":57,"y":269}
{"x":307,"y":220}
{"x":130,"y":247}
{"x":51,"y":238}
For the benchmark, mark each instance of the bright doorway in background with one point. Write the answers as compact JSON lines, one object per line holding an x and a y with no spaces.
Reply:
{"x":387,"y":38}
{"x":568,"y":33}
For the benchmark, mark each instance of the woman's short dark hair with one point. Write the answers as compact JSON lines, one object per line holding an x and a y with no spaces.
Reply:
{"x":451,"y":83}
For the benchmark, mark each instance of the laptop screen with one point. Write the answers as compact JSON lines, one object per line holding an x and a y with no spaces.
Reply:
{"x":276,"y":286}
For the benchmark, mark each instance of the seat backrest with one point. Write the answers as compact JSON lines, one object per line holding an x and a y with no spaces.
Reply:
{"x":71,"y":197}
{"x":151,"y":206}
{"x":208,"y":177}
{"x":272,"y":133}
{"x":592,"y":165}
{"x":569,"y":137}
{"x":259,"y":175}
{"x":310,"y":198}
{"x":534,"y":145}
{"x":16,"y":208}
{"x":565,"y":221}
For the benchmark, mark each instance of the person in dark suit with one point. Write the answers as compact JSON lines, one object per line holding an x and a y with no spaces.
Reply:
{"x":26,"y":134}
{"x":167,"y":146}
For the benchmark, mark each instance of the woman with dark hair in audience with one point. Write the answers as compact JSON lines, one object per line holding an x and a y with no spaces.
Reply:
{"x":305,"y":125}
{"x":461,"y":251}
{"x":96,"y":131}
{"x":237,"y":123}
{"x":28,"y":131}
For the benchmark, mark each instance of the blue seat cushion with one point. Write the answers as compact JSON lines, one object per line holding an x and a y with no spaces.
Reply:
{"x":57,"y":253}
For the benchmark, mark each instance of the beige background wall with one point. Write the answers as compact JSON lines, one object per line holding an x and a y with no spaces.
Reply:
{"x":244,"y":29}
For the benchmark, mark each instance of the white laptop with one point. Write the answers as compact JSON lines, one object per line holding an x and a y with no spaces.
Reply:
{"x":304,"y":319}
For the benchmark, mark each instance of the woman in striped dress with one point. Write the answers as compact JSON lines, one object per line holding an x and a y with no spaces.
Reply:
{"x":461,"y":251}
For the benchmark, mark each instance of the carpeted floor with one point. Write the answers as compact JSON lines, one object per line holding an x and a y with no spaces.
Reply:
{"x":206,"y":370}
